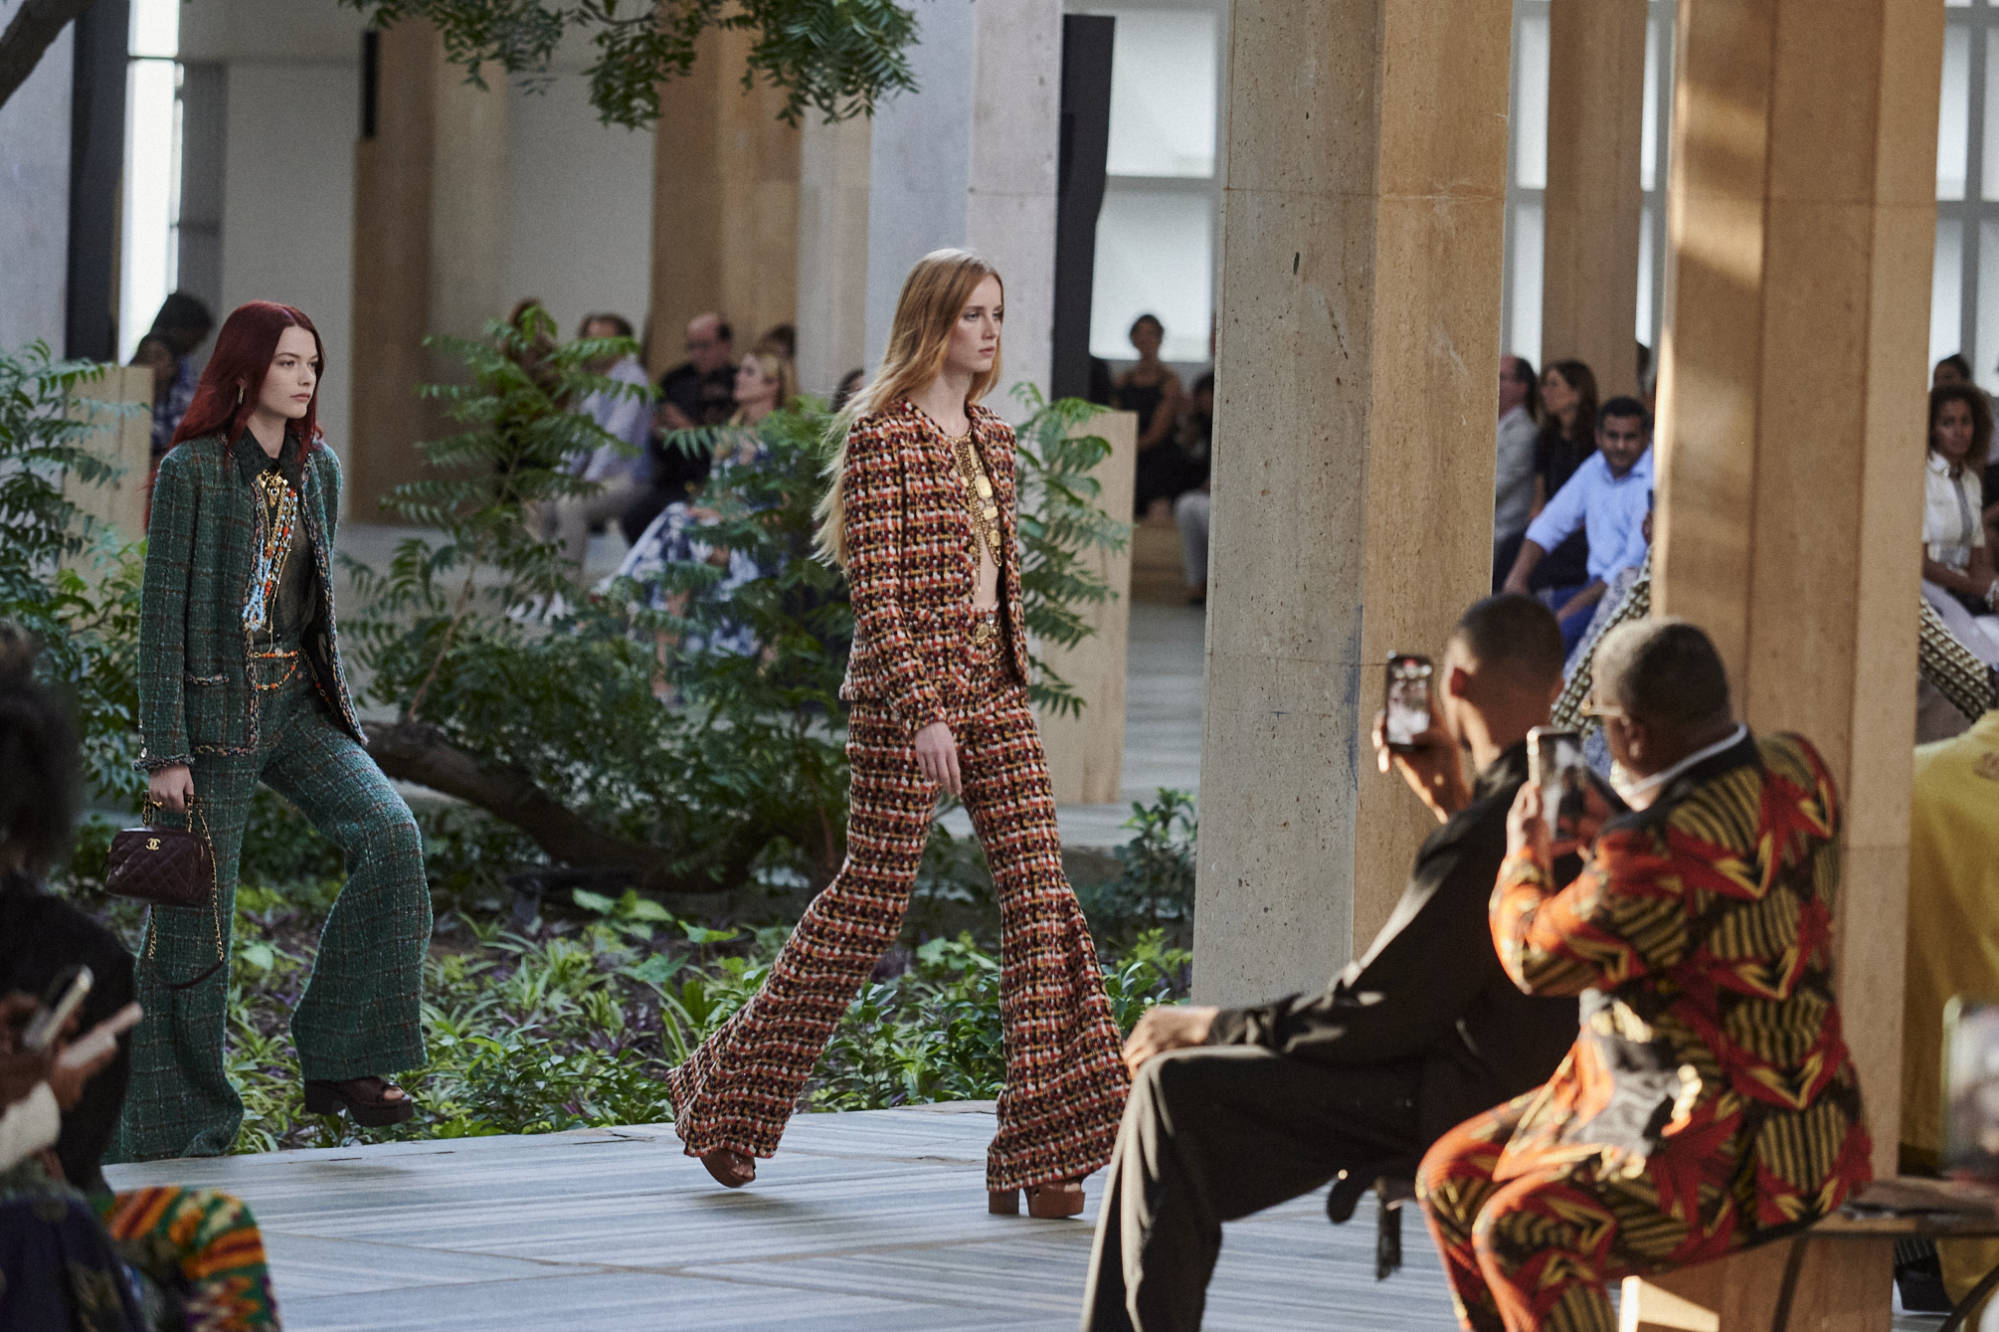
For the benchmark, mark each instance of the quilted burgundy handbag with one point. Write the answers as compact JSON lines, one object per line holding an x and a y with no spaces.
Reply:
{"x":167,"y":867}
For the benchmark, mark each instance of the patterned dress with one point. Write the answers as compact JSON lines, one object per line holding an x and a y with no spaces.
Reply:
{"x":1709,"y":1102}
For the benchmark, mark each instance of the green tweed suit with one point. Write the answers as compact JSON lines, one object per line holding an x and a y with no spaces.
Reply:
{"x":208,"y":700}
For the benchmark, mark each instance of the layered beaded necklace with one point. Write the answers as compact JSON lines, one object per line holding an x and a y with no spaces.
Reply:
{"x":280,"y":514}
{"x":979,"y":501}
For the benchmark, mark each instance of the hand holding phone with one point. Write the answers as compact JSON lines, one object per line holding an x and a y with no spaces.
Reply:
{"x":1406,"y":699}
{"x":65,"y":995}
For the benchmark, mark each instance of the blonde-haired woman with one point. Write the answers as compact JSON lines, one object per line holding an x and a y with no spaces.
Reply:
{"x":765,"y":383}
{"x":921,"y":515}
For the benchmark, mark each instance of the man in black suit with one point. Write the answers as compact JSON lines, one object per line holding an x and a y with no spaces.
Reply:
{"x":1237,"y":1109}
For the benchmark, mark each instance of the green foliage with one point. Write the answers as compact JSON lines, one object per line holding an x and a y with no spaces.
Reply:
{"x":1154,"y":887}
{"x":63,"y":576}
{"x":838,"y":57}
{"x":572,"y":1023}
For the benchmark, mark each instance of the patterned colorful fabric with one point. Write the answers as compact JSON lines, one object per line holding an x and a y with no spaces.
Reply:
{"x":912,"y":566}
{"x":1065,"y":1079}
{"x":202,"y":541}
{"x":1709,"y":1102}
{"x":361,"y":1013}
{"x":203,"y":1247}
{"x":58,"y":1269}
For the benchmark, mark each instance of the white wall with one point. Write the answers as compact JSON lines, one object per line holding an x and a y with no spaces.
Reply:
{"x":288,"y":204}
{"x":581,"y":203}
{"x":34,"y":199}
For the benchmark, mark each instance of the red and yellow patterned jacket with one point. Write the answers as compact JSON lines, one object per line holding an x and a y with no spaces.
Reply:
{"x":1699,"y":936}
{"x":912,"y":566}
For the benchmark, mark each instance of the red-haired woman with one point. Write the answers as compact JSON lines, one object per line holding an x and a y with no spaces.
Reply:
{"x":920,"y":513}
{"x":240,"y":682}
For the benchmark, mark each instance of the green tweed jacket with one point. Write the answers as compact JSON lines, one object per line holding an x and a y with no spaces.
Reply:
{"x":194,"y":652}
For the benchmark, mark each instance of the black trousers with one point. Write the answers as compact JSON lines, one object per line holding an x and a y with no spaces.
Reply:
{"x":1215,"y":1133}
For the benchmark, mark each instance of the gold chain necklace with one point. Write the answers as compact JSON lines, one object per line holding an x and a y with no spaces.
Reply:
{"x":979,"y":500}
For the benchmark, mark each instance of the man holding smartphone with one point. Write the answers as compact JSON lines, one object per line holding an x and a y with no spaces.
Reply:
{"x":1235,"y":1110}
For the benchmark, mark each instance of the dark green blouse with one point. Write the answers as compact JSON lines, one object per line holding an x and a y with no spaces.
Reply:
{"x":296,"y":605}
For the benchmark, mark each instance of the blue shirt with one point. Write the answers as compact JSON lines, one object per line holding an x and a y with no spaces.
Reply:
{"x":1610,"y":510}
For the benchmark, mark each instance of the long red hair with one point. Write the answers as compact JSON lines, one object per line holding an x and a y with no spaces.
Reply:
{"x":234,"y":376}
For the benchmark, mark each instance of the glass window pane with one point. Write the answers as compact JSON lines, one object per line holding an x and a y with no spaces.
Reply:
{"x":1986,"y":357}
{"x":1989,"y":184}
{"x":1529,"y":251}
{"x":1164,"y":71}
{"x":1647,"y":220}
{"x":1530,"y":120}
{"x":1947,"y":291}
{"x":152,"y":172}
{"x":155,"y":28}
{"x":1954,"y":123}
{"x":1155,"y":255}
{"x":1648,"y":150}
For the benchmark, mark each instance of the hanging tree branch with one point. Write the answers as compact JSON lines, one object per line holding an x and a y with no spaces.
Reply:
{"x":837,"y":57}
{"x":35,"y":25}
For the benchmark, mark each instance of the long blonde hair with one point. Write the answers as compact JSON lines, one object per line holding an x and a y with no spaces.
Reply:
{"x":933,"y":296}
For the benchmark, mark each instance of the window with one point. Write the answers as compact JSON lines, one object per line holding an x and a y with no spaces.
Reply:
{"x":1964,"y":304}
{"x":1527,"y":177}
{"x":148,"y":263}
{"x":1162,"y":195}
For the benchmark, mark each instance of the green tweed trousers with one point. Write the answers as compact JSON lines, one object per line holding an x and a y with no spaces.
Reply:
{"x":361,"y":1013}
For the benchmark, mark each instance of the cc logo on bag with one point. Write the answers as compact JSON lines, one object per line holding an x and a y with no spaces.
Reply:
{"x":152,"y":843}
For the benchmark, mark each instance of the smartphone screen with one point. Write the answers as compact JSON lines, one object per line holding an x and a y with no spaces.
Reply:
{"x":1555,"y":764}
{"x":1406,"y":704}
{"x":65,"y":995}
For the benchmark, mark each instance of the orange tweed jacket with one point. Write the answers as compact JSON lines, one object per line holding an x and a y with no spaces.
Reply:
{"x":912,"y":566}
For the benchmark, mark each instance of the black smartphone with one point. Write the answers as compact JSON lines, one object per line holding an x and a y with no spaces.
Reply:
{"x":1406,"y":699}
{"x":63,"y":997}
{"x":1555,"y":763}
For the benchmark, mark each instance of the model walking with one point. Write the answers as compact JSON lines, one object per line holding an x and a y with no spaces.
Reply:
{"x":921,"y":515}
{"x":240,"y":682}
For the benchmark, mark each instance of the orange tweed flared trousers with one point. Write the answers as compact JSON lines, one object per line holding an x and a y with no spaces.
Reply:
{"x":1065,"y":1079}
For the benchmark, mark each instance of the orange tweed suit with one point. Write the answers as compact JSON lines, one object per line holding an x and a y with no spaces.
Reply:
{"x":913,"y":568}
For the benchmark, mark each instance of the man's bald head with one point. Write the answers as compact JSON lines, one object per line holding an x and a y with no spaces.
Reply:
{"x":709,"y":342}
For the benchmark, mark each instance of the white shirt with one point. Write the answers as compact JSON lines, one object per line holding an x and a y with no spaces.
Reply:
{"x":1953,"y":525}
{"x":1610,"y":509}
{"x":623,"y":416}
{"x":30,"y":1124}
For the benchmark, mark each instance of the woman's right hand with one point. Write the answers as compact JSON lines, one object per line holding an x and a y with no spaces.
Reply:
{"x":171,"y":788}
{"x":937,"y":757}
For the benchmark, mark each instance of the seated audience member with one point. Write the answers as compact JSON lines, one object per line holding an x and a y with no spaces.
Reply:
{"x":1152,"y":390}
{"x":1606,"y":499}
{"x":1709,"y":1103}
{"x":764,"y":384}
{"x":1953,"y":946}
{"x":618,"y":469}
{"x":1951,"y":371}
{"x":1958,"y":576}
{"x":72,"y":1254}
{"x":157,"y":355}
{"x":1235,"y":1110}
{"x":782,"y":339}
{"x":700,"y":391}
{"x":850,"y":384}
{"x":1568,"y":438}
{"x":184,"y":323}
{"x":1191,"y":511}
{"x":1513,"y":476}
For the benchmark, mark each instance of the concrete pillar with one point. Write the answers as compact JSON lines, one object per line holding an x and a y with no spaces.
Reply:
{"x":832,"y":251}
{"x":1086,"y":752}
{"x":1801,"y":221}
{"x":971,"y":159}
{"x":1596,"y":116}
{"x":725,"y":202}
{"x":430,"y":251}
{"x":34,"y":202}
{"x":1359,"y":345}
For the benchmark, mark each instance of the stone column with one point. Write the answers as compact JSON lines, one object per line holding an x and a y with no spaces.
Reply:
{"x":725,"y":202}
{"x":971,"y":160}
{"x":1359,"y":344}
{"x":832,"y":251}
{"x":430,"y":248}
{"x":1596,"y":117}
{"x":1801,"y":222}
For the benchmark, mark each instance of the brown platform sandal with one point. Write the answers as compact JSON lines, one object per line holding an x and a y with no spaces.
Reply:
{"x":730,"y":1168}
{"x":1047,"y":1202}
{"x":366,"y":1099}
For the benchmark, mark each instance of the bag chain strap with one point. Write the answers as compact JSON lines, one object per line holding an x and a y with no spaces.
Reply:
{"x":214,"y":879}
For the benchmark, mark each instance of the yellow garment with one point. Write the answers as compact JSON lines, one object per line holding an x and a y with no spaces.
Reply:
{"x":1953,"y":938}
